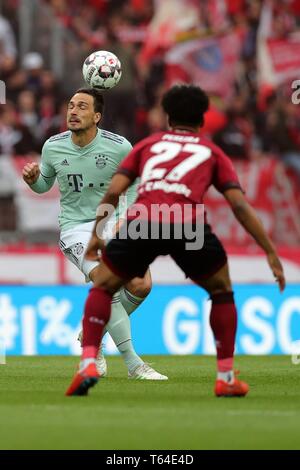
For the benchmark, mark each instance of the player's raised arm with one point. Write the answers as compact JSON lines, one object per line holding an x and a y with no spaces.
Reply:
{"x":248,"y":218}
{"x":31,"y":173}
{"x":40,"y":180}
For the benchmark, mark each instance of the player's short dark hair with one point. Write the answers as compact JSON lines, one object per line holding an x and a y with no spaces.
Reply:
{"x":97,"y":95}
{"x":185,"y":104}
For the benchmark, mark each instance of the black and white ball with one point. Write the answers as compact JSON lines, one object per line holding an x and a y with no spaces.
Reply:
{"x":102,"y":70}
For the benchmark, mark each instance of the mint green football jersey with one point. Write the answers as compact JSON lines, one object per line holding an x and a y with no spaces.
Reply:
{"x":83,"y":173}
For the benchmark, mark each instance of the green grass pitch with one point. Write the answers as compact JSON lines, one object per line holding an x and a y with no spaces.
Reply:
{"x":124,"y":414}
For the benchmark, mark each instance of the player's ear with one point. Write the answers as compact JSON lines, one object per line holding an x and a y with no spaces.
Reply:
{"x":97,"y":118}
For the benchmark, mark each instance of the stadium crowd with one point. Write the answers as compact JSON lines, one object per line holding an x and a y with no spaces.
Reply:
{"x":253,"y":121}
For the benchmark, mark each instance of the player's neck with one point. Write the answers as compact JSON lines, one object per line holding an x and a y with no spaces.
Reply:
{"x":83,"y":138}
{"x":185,"y":129}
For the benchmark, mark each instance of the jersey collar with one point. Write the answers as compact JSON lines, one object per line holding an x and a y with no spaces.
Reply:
{"x":86,"y":147}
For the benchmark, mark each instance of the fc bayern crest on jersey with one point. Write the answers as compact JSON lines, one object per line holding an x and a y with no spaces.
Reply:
{"x":101,"y":161}
{"x":78,"y":249}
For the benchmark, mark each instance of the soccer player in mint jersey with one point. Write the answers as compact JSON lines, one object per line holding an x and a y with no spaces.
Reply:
{"x":175,"y":167}
{"x":83,"y":160}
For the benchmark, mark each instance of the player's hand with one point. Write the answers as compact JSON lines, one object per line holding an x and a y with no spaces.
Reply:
{"x":93,"y":249}
{"x":277,"y":269}
{"x":31,"y":172}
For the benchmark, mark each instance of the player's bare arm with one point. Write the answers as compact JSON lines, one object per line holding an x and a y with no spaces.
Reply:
{"x":119,"y":184}
{"x":31,"y":172}
{"x":247,"y":217}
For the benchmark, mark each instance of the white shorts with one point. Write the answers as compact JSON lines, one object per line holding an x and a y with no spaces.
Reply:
{"x":73,"y":243}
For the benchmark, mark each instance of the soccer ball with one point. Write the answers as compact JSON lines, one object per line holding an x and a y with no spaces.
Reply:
{"x":102,"y":69}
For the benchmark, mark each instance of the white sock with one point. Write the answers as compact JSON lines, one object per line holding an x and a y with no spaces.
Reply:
{"x":226,"y":376}
{"x":86,"y":362}
{"x":120,"y":330}
{"x":129,"y":301}
{"x":131,"y":359}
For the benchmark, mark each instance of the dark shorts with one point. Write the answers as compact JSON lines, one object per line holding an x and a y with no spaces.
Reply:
{"x":128,"y":258}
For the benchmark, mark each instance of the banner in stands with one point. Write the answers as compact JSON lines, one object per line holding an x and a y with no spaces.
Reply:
{"x":173,"y":320}
{"x":278,"y":60}
{"x":285,"y":58}
{"x":201,"y":60}
{"x":273,"y":196}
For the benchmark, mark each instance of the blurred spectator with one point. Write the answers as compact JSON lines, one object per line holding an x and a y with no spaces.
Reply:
{"x":28,"y":77}
{"x":215,"y":119}
{"x":33,"y":67}
{"x":7,"y":42}
{"x":58,"y":122}
{"x":15,"y":138}
{"x":156,"y":119}
{"x":27,"y":110}
{"x":235,"y":137}
{"x":281,"y":134}
{"x":8,"y":51}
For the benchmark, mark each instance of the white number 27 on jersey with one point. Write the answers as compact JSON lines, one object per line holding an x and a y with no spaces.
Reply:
{"x":166,"y":151}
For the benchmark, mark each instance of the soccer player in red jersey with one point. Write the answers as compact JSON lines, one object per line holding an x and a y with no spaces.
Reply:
{"x":175,"y":168}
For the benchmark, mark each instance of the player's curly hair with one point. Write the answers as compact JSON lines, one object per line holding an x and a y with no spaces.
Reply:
{"x":185,"y":104}
{"x":97,"y":95}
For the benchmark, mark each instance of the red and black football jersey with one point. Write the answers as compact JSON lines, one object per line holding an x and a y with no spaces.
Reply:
{"x":178,"y":168}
